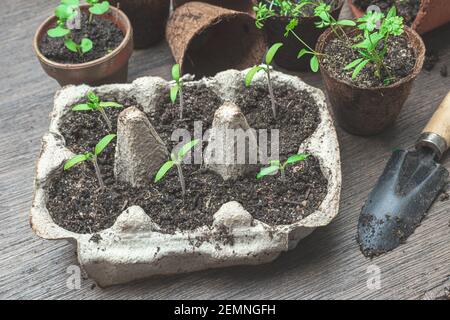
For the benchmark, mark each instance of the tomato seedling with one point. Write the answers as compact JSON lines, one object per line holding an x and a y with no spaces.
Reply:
{"x":95,"y":104}
{"x":276,"y":166}
{"x":176,"y":160}
{"x":266,"y":68}
{"x":177,"y":89}
{"x":92,"y":156}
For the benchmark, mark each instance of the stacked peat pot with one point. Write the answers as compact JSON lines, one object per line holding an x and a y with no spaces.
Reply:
{"x":148,"y":18}
{"x":71,"y":58}
{"x":421,"y":15}
{"x":206,"y":39}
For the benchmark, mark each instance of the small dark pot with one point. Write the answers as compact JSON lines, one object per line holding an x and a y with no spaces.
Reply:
{"x":112,"y":68}
{"x":369,"y":111}
{"x":286,"y":56}
{"x":148,"y":18}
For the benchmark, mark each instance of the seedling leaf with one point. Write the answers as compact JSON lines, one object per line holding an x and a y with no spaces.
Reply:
{"x":359,"y":68}
{"x":71,"y":45}
{"x":314,"y":62}
{"x":272,"y":52}
{"x":296,"y":158}
{"x":71,"y":2}
{"x":58,"y":32}
{"x":99,"y":8}
{"x":174,"y":93}
{"x":86,"y":45}
{"x":266,"y":171}
{"x":353,"y":64}
{"x":82,"y":107}
{"x":176,"y":72}
{"x":163,"y":170}
{"x":110,"y":105}
{"x":349,"y":23}
{"x":186,"y":148}
{"x":103,"y":143}
{"x":75,"y":160}
{"x":302,"y":53}
{"x":251,"y":74}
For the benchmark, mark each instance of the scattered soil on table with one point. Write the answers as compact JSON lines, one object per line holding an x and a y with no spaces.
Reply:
{"x":399,"y":60}
{"x":105,"y":35}
{"x":76,"y":203}
{"x":297,"y":118}
{"x":407,"y":9}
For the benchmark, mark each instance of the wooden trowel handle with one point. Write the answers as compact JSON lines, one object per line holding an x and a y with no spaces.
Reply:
{"x":436,"y":134}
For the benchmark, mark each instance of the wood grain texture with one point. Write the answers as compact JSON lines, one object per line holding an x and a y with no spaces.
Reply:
{"x":326,"y":265}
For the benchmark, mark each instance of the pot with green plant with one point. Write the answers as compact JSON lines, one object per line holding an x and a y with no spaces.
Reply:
{"x":369,"y":70}
{"x":274,"y":15}
{"x":89,"y":43}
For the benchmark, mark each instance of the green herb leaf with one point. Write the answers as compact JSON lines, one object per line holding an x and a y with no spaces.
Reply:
{"x":110,"y":105}
{"x":176,"y":72}
{"x":103,"y":143}
{"x":314,"y":63}
{"x":186,"y":148}
{"x":266,"y":171}
{"x":359,"y":68}
{"x":251,"y":74}
{"x":71,"y":2}
{"x":349,"y":23}
{"x":58,"y":32}
{"x":272,"y":52}
{"x":163,"y":170}
{"x":75,"y":160}
{"x":302,"y":53}
{"x":296,"y":158}
{"x":86,"y":45}
{"x":353,"y":64}
{"x":174,"y":93}
{"x":82,"y":107}
{"x":71,"y":45}
{"x":93,"y":97}
{"x":99,"y":8}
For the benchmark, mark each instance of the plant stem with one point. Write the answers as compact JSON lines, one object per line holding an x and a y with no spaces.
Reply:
{"x":181,"y":101}
{"x":283,"y":174}
{"x":272,"y":97}
{"x":97,"y":172}
{"x":182,"y":181}
{"x":105,"y":117}
{"x":90,"y":18}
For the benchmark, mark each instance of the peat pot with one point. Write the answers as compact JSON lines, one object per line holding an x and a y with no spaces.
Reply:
{"x":148,"y":18}
{"x":369,"y":111}
{"x":134,"y":247}
{"x":238,"y":5}
{"x":286,"y":57}
{"x":112,"y":68}
{"x":432,"y":14}
{"x":207,"y":39}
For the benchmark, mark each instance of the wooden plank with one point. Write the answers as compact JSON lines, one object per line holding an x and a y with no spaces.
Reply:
{"x":327,"y":264}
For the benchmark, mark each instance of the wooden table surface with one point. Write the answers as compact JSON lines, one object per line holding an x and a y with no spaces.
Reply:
{"x":326,"y":265}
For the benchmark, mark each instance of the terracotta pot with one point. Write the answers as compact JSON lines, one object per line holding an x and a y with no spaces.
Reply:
{"x":206,"y":39}
{"x":432,"y":14}
{"x":286,"y":56}
{"x":112,"y":68}
{"x":148,"y":18}
{"x":238,"y":5}
{"x":369,"y":111}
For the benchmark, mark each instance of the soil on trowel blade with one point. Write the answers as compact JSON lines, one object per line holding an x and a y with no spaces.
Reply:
{"x":77,"y":204}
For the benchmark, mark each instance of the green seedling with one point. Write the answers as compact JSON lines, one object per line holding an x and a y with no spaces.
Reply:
{"x":92,"y":156}
{"x":177,"y":89}
{"x":374,"y":45}
{"x":276,"y":166}
{"x":83,"y":47}
{"x":266,"y":68}
{"x":95,"y":104}
{"x":67,"y":10}
{"x":97,"y":7}
{"x":176,"y":160}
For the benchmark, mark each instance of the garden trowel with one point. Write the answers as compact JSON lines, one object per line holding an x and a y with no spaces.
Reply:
{"x":408,"y":186}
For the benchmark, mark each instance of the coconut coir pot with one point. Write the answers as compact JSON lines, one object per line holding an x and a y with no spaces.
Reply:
{"x":286,"y":56}
{"x":238,"y":5}
{"x":206,"y":39}
{"x":112,"y":68}
{"x":148,"y":18}
{"x":369,"y":111}
{"x":432,"y":14}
